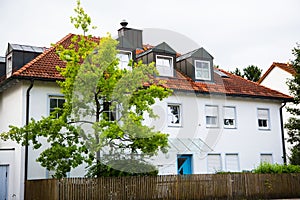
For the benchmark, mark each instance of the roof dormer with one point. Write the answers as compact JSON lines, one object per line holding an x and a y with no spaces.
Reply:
{"x":197,"y":64}
{"x":163,"y":56}
{"x":18,"y":55}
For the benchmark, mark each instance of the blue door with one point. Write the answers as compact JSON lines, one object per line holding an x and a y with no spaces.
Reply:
{"x":3,"y":182}
{"x":184,"y":164}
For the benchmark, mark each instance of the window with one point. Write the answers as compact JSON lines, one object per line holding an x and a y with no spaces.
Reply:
{"x":9,"y":66}
{"x":124,"y":58}
{"x":232,"y":162}
{"x":229,"y":117}
{"x":266,"y":158}
{"x":263,"y":118}
{"x":214,"y":163}
{"x":108,"y":112}
{"x":164,"y":65}
{"x":174,"y":115}
{"x":202,"y":70}
{"x":211,"y":113}
{"x":55,"y":103}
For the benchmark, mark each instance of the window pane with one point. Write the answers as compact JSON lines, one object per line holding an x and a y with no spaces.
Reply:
{"x":232,"y":162}
{"x":53,"y":103}
{"x":214,"y":163}
{"x":174,"y":115}
{"x":202,"y":70}
{"x":263,"y":118}
{"x":164,"y":66}
{"x":267,"y":158}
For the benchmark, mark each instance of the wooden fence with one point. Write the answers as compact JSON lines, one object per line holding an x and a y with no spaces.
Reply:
{"x":198,"y":186}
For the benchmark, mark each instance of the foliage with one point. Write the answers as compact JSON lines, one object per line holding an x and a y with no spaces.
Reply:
{"x":118,"y":168}
{"x":267,"y":168}
{"x":293,"y":124}
{"x":237,"y":72}
{"x":93,"y":82}
{"x":252,"y":73}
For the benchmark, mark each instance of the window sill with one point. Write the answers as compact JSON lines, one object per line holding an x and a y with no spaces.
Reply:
{"x":230,"y":127}
{"x":175,"y":126}
{"x":264,"y":129}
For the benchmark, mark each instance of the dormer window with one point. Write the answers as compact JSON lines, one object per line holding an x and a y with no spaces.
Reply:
{"x":202,"y":70}
{"x":9,"y":67}
{"x":164,"y":65}
{"x":124,"y":58}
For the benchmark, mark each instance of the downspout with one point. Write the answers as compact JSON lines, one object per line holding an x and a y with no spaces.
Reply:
{"x":26,"y":146}
{"x":282,"y":134}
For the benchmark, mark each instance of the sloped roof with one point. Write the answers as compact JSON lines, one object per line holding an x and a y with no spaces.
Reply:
{"x":284,"y":66}
{"x":44,"y":67}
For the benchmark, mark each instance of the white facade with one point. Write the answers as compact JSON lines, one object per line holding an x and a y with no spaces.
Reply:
{"x":247,"y":142}
{"x":277,"y":80}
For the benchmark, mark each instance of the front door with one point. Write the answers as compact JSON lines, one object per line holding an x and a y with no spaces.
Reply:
{"x":184,"y":163}
{"x":3,"y":182}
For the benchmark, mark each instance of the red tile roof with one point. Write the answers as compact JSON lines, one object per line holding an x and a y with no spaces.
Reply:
{"x":284,"y":66}
{"x":44,"y":67}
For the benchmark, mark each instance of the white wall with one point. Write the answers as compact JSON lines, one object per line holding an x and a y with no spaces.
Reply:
{"x":276,"y":80}
{"x":246,"y":140}
{"x":11,"y":112}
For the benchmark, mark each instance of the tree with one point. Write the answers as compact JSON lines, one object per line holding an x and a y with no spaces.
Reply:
{"x":293,"y":124}
{"x":252,"y":73}
{"x":95,"y":90}
{"x":237,"y":72}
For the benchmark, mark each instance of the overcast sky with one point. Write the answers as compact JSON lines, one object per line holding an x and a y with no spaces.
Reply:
{"x":237,"y":33}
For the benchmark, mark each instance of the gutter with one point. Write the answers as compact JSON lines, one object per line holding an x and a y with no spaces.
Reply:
{"x":26,"y":146}
{"x":282,"y":134}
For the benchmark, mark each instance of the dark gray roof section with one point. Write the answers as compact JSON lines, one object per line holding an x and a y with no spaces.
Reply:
{"x":161,"y":48}
{"x":28,"y":48}
{"x":164,"y":48}
{"x":2,"y":59}
{"x":201,"y":52}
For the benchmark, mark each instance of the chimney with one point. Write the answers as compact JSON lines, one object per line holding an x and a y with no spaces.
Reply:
{"x":133,"y":36}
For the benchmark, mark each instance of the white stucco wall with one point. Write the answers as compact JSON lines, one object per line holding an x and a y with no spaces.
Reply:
{"x":11,"y":113}
{"x":247,"y":140}
{"x":276,"y":80}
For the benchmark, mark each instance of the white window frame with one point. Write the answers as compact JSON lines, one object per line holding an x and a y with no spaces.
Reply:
{"x":209,"y":115}
{"x":226,"y":162}
{"x":209,"y":70}
{"x":160,"y":68}
{"x":267,"y":118}
{"x":231,"y":116}
{"x":169,"y":115}
{"x":9,"y":66}
{"x":49,"y":102}
{"x":122,"y":64}
{"x":214,"y":170}
{"x":266,"y":154}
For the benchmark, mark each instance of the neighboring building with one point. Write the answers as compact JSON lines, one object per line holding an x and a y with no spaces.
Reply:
{"x":217,"y":121}
{"x":276,"y":77}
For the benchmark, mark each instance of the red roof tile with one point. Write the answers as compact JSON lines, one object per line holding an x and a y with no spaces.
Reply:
{"x":284,"y":66}
{"x":44,"y":67}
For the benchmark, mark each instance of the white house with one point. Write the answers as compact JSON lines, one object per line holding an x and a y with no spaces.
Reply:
{"x":217,"y":121}
{"x":276,"y":77}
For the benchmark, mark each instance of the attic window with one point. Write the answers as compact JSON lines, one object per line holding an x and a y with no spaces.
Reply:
{"x":202,"y":70}
{"x":124,"y":58}
{"x":164,"y":65}
{"x":9,"y":66}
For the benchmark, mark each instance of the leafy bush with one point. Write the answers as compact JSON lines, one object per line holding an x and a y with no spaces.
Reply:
{"x":267,"y":168}
{"x":119,"y":168}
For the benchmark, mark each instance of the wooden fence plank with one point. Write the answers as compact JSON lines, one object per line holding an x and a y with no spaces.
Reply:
{"x":198,"y":186}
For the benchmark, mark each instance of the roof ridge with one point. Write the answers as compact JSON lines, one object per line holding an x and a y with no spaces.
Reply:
{"x":26,"y":66}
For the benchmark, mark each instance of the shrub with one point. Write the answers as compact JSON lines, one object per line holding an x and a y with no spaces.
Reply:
{"x":267,"y":168}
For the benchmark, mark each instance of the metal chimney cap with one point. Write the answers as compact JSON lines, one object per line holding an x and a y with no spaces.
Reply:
{"x":124,"y":23}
